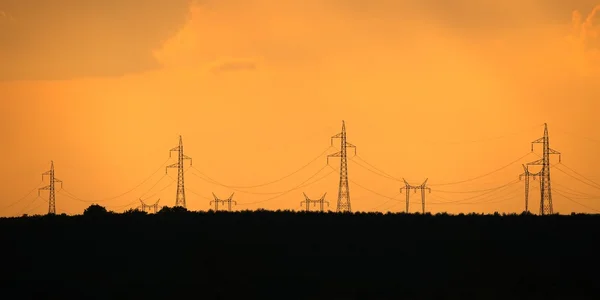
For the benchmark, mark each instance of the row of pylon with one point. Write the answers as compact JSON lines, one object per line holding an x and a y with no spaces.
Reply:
{"x":343,"y":202}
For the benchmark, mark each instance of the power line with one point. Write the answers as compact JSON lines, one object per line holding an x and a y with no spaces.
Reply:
{"x":208,"y":180}
{"x":372,"y":191}
{"x":303,"y":184}
{"x":483,"y":194}
{"x":22,"y":198}
{"x":27,"y":206}
{"x":575,"y":194}
{"x":582,"y":176}
{"x":27,"y":212}
{"x":266,"y":183}
{"x":164,"y":188}
{"x":484,"y":175}
{"x":488,"y":199}
{"x":381,"y":173}
{"x":74,"y":197}
{"x":387,"y":201}
{"x":578,"y":179}
{"x":568,"y":198}
{"x":513,"y":133}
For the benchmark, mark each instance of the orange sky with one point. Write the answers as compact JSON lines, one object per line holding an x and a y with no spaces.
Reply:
{"x":257,"y":88}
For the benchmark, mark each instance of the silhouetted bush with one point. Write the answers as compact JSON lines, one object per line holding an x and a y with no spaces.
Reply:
{"x":95,"y":210}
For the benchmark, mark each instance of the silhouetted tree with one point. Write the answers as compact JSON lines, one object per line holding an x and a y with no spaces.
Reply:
{"x":95,"y":210}
{"x":133,"y":211}
{"x":172,"y":210}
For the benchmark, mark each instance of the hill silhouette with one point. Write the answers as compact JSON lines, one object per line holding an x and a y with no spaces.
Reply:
{"x":297,"y":255}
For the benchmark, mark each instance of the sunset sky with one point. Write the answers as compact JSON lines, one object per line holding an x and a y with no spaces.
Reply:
{"x":445,"y":90}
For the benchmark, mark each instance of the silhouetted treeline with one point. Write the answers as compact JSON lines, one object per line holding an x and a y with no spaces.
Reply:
{"x":176,"y":254}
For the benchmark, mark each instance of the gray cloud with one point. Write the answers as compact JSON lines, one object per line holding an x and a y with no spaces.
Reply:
{"x":60,"y":39}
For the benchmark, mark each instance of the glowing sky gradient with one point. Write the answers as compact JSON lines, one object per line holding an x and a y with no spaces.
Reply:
{"x":256,"y":88}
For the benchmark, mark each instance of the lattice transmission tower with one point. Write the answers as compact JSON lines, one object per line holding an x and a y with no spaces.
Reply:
{"x":227,"y":201}
{"x":545,"y":186}
{"x":307,"y":201}
{"x":51,"y":187}
{"x":149,"y":207}
{"x":343,"y":204}
{"x":180,"y":196}
{"x":421,"y":187}
{"x":527,"y":174}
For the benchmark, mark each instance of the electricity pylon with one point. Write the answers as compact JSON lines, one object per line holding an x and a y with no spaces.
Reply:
{"x":545,"y":186}
{"x":227,"y":201}
{"x":180,"y":197}
{"x":421,"y":187}
{"x":343,"y":204}
{"x":51,"y":187}
{"x":149,"y":207}
{"x":527,"y":174}
{"x":308,"y":201}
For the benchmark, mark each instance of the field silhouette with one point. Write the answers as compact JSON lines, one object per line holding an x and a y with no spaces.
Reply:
{"x":177,"y":254}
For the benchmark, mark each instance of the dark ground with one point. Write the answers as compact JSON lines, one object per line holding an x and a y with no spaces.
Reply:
{"x":287,"y":255}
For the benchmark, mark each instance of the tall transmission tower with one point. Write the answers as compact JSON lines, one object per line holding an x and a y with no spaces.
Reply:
{"x":180,"y":197}
{"x":227,"y":201}
{"x":51,"y":187}
{"x":421,"y":187}
{"x":343,"y":204}
{"x":545,"y":186}
{"x":307,"y":201}
{"x":149,"y":207}
{"x":527,"y":174}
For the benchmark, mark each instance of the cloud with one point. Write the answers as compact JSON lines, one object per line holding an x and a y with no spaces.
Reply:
{"x":62,"y":39}
{"x":313,"y":34}
{"x":585,"y":40}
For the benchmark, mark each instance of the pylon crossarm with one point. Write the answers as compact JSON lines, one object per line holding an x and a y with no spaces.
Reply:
{"x":552,"y":151}
{"x":539,"y":141}
{"x":337,"y":154}
{"x":536,"y":163}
